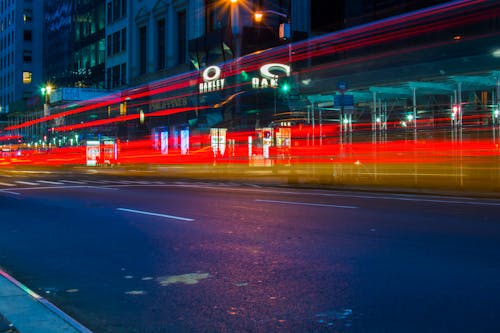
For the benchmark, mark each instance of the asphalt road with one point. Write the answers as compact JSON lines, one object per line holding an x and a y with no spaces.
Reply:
{"x":153,"y":255}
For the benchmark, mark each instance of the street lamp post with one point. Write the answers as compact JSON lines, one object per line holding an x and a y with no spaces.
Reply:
{"x":46,"y":102}
{"x":46,"y":91}
{"x":235,"y":29}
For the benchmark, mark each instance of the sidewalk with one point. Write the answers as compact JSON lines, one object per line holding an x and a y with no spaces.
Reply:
{"x":31,"y":313}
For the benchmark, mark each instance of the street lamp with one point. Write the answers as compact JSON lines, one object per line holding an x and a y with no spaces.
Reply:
{"x":285,"y":29}
{"x":46,"y":91}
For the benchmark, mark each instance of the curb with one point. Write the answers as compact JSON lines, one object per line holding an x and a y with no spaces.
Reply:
{"x":47,"y":304}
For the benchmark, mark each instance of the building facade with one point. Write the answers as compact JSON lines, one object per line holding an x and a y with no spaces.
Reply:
{"x":74,"y":47}
{"x":20,"y":53}
{"x":153,"y":39}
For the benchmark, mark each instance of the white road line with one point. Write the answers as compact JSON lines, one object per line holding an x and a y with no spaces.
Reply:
{"x":26,"y":183}
{"x":71,"y":181}
{"x":9,"y":192}
{"x":305,"y":204}
{"x":7,"y":184}
{"x":400,"y":197}
{"x":155,"y":214}
{"x":63,"y":187}
{"x":50,"y":182}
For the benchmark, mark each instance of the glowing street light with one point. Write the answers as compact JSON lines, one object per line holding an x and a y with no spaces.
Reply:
{"x":46,"y":90}
{"x":285,"y":31}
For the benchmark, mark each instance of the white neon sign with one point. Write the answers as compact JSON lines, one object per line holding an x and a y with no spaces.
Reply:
{"x":211,"y":80}
{"x":270,"y":79}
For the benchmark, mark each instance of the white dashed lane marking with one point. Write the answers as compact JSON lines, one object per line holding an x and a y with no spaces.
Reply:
{"x":305,"y":204}
{"x":27,"y":183}
{"x":50,"y":182}
{"x":72,"y":181}
{"x":154,"y":214}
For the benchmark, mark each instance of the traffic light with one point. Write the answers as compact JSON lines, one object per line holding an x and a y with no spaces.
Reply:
{"x":244,"y":76}
{"x":285,"y":88}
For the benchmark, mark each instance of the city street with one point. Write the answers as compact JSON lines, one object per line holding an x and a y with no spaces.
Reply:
{"x":148,"y":254}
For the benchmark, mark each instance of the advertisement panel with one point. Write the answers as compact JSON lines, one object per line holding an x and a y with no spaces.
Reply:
{"x":93,"y":152}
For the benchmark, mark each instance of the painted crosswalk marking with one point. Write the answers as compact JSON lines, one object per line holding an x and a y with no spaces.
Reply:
{"x":72,"y":181}
{"x":50,"y":182}
{"x":27,"y":183}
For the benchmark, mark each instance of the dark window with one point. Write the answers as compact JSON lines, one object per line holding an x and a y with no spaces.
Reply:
{"x":124,"y":8}
{"x":116,"y":76}
{"x":110,"y":12}
{"x":27,"y":36}
{"x":27,"y":56}
{"x":210,"y":8}
{"x":142,"y":50}
{"x":124,"y":39}
{"x":109,"y":46}
{"x":116,"y":9}
{"x":161,"y":44}
{"x":124,"y":74}
{"x":215,"y":17}
{"x":116,"y":42}
{"x":108,"y":78}
{"x":181,"y":33}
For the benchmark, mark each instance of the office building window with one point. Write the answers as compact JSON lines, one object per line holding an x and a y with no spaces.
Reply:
{"x":109,"y":48}
{"x":109,"y":10}
{"x":116,"y":42}
{"x":124,"y":7}
{"x":27,"y":56}
{"x":124,"y":74}
{"x":116,"y":10}
{"x":28,"y":36}
{"x":124,"y":39}
{"x":108,"y":78}
{"x":28,"y":15}
{"x":181,"y":35}
{"x":142,"y":50}
{"x":161,"y":44}
{"x":27,"y":77}
{"x":116,"y":76}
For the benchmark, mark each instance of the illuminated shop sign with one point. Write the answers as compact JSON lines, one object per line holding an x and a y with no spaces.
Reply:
{"x":169,"y":103}
{"x":269,"y":77}
{"x":211,"y":80}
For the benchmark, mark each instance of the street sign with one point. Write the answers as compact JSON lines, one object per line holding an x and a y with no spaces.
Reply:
{"x":343,"y":100}
{"x":342,"y":86}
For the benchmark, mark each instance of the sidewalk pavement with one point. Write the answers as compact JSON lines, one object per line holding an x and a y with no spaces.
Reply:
{"x":24,"y":311}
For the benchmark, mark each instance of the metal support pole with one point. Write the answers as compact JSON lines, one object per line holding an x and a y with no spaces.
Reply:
{"x":313,"y":124}
{"x":374,"y":118}
{"x":320,"y":126}
{"x":235,"y":27}
{"x":414,"y":92}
